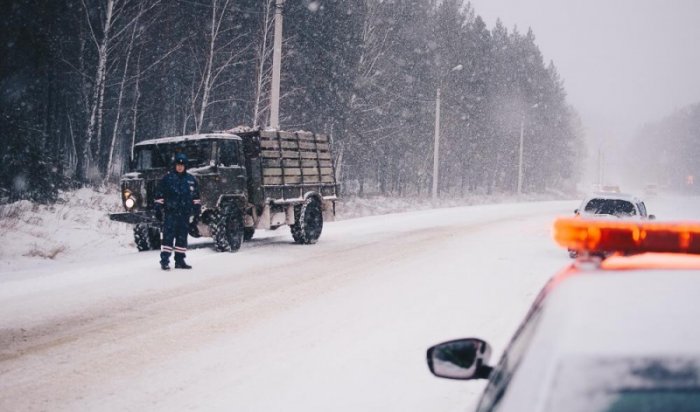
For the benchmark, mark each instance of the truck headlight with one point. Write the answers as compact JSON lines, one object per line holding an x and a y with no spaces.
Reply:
{"x":129,"y":203}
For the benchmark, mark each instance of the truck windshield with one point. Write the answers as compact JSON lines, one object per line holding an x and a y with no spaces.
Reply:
{"x":198,"y":152}
{"x":162,"y":156}
{"x":149,"y":158}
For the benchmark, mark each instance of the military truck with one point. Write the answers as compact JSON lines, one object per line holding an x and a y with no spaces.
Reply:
{"x":248,"y":180}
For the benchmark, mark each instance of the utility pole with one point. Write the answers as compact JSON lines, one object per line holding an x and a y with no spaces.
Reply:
{"x":276,"y":68}
{"x":436,"y":145}
{"x":436,"y":138}
{"x":600,"y":166}
{"x":520,"y":157}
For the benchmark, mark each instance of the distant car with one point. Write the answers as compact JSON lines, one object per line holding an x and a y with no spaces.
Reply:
{"x":651,"y":190}
{"x":619,"y":205}
{"x":617,"y":334}
{"x":610,"y":189}
{"x":612,"y":205}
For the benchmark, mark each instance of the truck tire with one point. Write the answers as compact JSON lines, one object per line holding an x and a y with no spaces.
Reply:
{"x":248,"y":233}
{"x":142,"y":237}
{"x":227,"y":230}
{"x":308,"y":222}
{"x":296,"y":227}
{"x":154,"y":237}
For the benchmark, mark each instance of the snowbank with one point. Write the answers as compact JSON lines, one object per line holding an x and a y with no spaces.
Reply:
{"x":77,"y":227}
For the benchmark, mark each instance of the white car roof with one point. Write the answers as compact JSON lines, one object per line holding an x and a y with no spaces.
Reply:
{"x":619,"y":196}
{"x":608,"y":315}
{"x":625,"y":311}
{"x":190,"y":137}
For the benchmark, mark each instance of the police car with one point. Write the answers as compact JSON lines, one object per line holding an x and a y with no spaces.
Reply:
{"x":611,"y":334}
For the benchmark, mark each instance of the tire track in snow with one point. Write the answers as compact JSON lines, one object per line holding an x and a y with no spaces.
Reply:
{"x":51,"y":364}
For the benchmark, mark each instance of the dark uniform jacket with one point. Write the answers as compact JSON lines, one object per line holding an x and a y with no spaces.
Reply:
{"x":178,"y":194}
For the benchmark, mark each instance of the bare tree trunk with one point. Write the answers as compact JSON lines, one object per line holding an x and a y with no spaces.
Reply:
{"x":221,"y":55}
{"x":339,"y":163}
{"x":115,"y":128}
{"x":208,"y":80}
{"x":74,"y":152}
{"x":134,"y":109}
{"x":207,"y":72}
{"x":100,"y":112}
{"x":95,"y":121}
{"x":264,"y":52}
{"x":119,"y":17}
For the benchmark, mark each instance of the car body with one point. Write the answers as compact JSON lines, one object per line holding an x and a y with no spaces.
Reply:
{"x":612,"y":334}
{"x":620,"y":205}
{"x":611,"y":206}
{"x":651,"y":189}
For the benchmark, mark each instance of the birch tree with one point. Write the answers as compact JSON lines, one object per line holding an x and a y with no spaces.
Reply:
{"x":107,"y":21}
{"x":223,"y":51}
{"x":95,"y":118}
{"x":264,"y":70}
{"x":366,"y":98}
{"x":135,"y":106}
{"x":115,"y":126}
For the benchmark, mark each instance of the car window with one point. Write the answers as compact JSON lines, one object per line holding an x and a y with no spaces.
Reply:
{"x":642,"y":209}
{"x":625,"y":384}
{"x":615,"y":207}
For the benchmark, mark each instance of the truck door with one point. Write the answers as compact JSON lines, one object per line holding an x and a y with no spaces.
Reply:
{"x":231,"y":167}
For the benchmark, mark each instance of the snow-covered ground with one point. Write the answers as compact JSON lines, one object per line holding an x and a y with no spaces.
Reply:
{"x":342,"y":325}
{"x":77,"y":228}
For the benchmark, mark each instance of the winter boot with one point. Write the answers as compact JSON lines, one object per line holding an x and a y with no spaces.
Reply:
{"x":165,"y":265}
{"x":182,"y":265}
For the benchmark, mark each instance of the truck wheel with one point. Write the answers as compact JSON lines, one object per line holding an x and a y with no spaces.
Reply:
{"x":154,"y":237}
{"x":227,"y":230}
{"x":141,"y":237}
{"x":248,"y":233}
{"x":308,"y":222}
{"x":296,"y":227}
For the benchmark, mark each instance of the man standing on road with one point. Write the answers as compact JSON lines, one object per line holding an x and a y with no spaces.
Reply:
{"x":177,"y":198}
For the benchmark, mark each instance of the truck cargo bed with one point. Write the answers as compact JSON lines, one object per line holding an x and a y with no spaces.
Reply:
{"x":293,"y":163}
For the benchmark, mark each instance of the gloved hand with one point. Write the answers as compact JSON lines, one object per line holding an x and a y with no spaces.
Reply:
{"x":158,"y":211}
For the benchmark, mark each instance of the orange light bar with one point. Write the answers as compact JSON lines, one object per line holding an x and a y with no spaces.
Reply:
{"x":652,"y":261}
{"x":627,"y":236}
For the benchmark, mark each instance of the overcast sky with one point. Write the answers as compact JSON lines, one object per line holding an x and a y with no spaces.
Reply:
{"x":624,"y":62}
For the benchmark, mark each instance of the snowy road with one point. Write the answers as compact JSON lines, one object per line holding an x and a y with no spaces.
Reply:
{"x":342,"y":325}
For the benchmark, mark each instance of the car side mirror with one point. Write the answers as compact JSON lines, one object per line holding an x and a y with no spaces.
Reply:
{"x":460,"y":359}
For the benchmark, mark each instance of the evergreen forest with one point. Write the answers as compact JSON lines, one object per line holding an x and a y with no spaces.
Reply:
{"x":81,"y":81}
{"x":668,"y":152}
